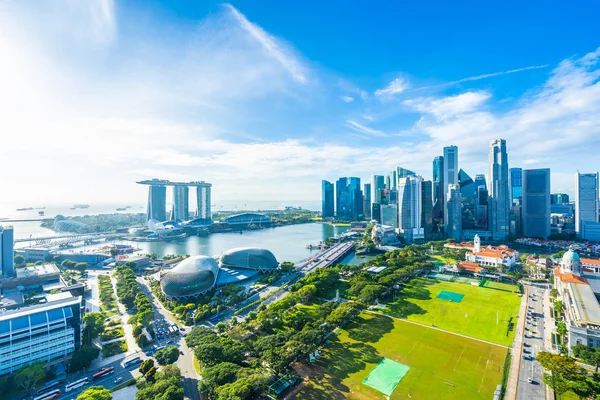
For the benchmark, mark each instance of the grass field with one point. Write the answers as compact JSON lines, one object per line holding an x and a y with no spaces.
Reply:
{"x":483,"y":313}
{"x":442,"y":365}
{"x":502,"y":286}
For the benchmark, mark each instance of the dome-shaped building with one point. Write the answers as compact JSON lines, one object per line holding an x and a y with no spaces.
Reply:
{"x":192,"y":277}
{"x":249,"y":258}
{"x":570,"y":263}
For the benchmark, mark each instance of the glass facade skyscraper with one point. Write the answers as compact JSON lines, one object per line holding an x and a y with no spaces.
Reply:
{"x":535,"y":212}
{"x":377,"y":188}
{"x":586,"y":199}
{"x":438,"y":189}
{"x":367,"y":200}
{"x":454,"y":213}
{"x":349,"y":199}
{"x":450,"y":176}
{"x":427,"y":209}
{"x":157,"y":203}
{"x":410,"y":208}
{"x":498,"y":194}
{"x":7,"y":255}
{"x":327,"y":199}
{"x":181,"y":203}
{"x":516,"y":186}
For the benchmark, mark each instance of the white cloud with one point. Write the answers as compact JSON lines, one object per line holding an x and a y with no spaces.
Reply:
{"x":396,"y":86}
{"x":450,"y":106}
{"x":347,"y":99}
{"x":365,"y":129}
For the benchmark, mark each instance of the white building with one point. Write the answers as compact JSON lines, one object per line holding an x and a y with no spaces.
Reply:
{"x":389,"y":215}
{"x":384,"y":235}
{"x":492,"y":256}
{"x":42,"y":332}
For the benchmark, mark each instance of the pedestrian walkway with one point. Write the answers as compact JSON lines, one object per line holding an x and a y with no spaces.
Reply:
{"x":549,"y":323}
{"x":516,"y":351}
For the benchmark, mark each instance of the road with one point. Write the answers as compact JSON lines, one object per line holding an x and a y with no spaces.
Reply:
{"x":533,"y":343}
{"x":185,"y":362}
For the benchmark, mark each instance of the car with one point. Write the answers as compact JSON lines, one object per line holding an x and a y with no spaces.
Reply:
{"x":119,"y":379}
{"x":529,"y":380}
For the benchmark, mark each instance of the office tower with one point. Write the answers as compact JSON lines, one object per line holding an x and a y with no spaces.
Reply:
{"x":356,"y":198}
{"x":410,"y":208}
{"x":389,"y":215}
{"x":480,"y":181}
{"x":454,"y":213}
{"x":181,"y":203}
{"x":157,"y":203}
{"x":482,"y":208}
{"x":203,"y":199}
{"x":438,"y":190}
{"x":403,"y":173}
{"x":498,"y":194}
{"x":586,"y":200}
{"x":327,"y":205}
{"x":391,"y":197}
{"x":7,"y":255}
{"x":376,"y":212}
{"x":377,"y":187}
{"x":342,"y":198}
{"x":427,"y":209}
{"x":450,"y":174}
{"x":43,"y":332}
{"x":516,"y":186}
{"x":468,"y":195}
{"x":559,"y":198}
{"x":393,"y":176}
{"x":388,"y":184}
{"x":367,"y":200}
{"x":535,"y":212}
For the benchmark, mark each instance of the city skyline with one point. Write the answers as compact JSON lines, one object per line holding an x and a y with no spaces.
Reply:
{"x":144,"y":102}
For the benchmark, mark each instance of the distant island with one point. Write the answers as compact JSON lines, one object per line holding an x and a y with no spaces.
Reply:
{"x":82,"y":206}
{"x":25,"y":209}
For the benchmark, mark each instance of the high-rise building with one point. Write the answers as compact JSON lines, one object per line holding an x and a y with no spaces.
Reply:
{"x":393,"y":176}
{"x":203,"y":199}
{"x":356,"y":198}
{"x":377,"y":188}
{"x":559,"y":198}
{"x":43,"y":332}
{"x":438,"y":190}
{"x":410,"y":208}
{"x":181,"y":203}
{"x":349,"y":199}
{"x":516,"y":186}
{"x":7,"y":258}
{"x":376,"y":212}
{"x":586,"y":199}
{"x":403,"y":173}
{"x":327,"y":205}
{"x":450,"y":175}
{"x":454,"y":213}
{"x":427,"y":209}
{"x":535,"y":212}
{"x":468,"y":194}
{"x":389,"y":215}
{"x":498,"y":193}
{"x":482,"y":208}
{"x":157,"y":202}
{"x":367,"y":200}
{"x":342,"y":199}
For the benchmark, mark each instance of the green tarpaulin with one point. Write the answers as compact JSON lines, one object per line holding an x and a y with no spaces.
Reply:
{"x":386,"y":376}
{"x":451,"y":296}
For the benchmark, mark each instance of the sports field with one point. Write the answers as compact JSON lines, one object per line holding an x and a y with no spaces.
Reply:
{"x":483,"y":312}
{"x":442,"y":365}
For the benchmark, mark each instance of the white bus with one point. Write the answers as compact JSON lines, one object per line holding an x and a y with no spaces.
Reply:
{"x":50,"y":395}
{"x":133,"y":361}
{"x":77,"y":384}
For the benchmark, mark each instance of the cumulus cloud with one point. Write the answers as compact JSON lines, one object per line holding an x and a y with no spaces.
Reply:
{"x":396,"y":86}
{"x":347,"y":99}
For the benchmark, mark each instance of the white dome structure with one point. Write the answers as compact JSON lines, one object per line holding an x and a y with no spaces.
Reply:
{"x":570,"y":263}
{"x":192,"y":277}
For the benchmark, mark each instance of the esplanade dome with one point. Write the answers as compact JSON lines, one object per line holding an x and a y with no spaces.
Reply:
{"x":249,"y":258}
{"x":192,"y":277}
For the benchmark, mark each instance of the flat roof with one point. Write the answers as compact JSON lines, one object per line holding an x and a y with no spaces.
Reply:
{"x":58,"y":296}
{"x":8,"y":315}
{"x":164,"y":182}
{"x":585,"y":303}
{"x":51,"y":286}
{"x":37,"y":270}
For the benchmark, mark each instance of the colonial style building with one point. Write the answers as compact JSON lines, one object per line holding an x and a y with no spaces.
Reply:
{"x":492,"y":256}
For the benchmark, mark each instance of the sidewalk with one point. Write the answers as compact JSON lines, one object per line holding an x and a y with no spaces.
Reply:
{"x":549,"y":324}
{"x":516,"y":350}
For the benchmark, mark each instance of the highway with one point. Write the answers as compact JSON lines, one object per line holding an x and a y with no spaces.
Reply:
{"x":328,"y":257}
{"x":533,"y":343}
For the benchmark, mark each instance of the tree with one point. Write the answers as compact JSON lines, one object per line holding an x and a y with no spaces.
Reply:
{"x":287,"y":266}
{"x":558,"y":308}
{"x":81,"y":267}
{"x":29,"y":376}
{"x":83,"y":358}
{"x":168,"y":355}
{"x":222,"y":327}
{"x":554,"y":293}
{"x":220,"y":374}
{"x":150,"y":374}
{"x":19,"y":260}
{"x":561,"y":328}
{"x":209,"y":354}
{"x":114,"y":251}
{"x":200,"y":334}
{"x":94,"y":326}
{"x":563,"y":370}
{"x":95,"y":393}
{"x":307,"y":292}
{"x":370,"y":293}
{"x":146,"y":365}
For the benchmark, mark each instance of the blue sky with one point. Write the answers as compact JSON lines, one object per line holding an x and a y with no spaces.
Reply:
{"x":266,"y":98}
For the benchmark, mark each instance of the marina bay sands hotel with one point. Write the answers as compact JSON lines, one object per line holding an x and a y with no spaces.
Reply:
{"x":157,"y":200}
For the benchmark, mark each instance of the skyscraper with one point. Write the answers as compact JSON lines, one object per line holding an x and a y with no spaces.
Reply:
{"x":389,"y":215}
{"x":450,"y":168}
{"x":157,"y":203}
{"x":468,"y":195}
{"x":535,"y":212}
{"x":482,"y":208}
{"x":516,"y":186}
{"x":454,"y":213}
{"x":393,"y":179}
{"x":327,"y":205}
{"x":498,"y":193}
{"x":427,"y":209}
{"x":378,"y":186}
{"x":349,"y":199}
{"x":203,"y":200}
{"x":342,"y":198}
{"x":356,"y":198}
{"x":181,"y":203}
{"x":410,"y":208}
{"x":438,"y":188}
{"x":7,"y":258}
{"x":559,"y":198}
{"x":586,"y":199}
{"x":367,"y":200}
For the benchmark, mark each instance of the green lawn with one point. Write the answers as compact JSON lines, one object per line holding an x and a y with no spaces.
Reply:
{"x":502,"y":286}
{"x":483,"y":313}
{"x":329,"y":293}
{"x":442,"y":365}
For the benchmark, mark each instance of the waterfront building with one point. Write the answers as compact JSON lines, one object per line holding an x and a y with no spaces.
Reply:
{"x":327,"y":200}
{"x":203,"y":199}
{"x":389,"y":215}
{"x":559,"y":198}
{"x":438,"y":190}
{"x":536,"y":203}
{"x":427,"y":209}
{"x":450,"y":168}
{"x":249,"y":258}
{"x":367,"y":200}
{"x":342,"y":199}
{"x":498,"y":193}
{"x":157,"y":201}
{"x":586,"y":200}
{"x":410,"y":208}
{"x":44,"y":332}
{"x":7,"y":258}
{"x":377,"y":187}
{"x":453,"y":213}
{"x":356,"y":199}
{"x":181,"y":203}
{"x":246,"y":220}
{"x":194,"y":276}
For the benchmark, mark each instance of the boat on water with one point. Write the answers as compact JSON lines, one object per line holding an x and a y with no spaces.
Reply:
{"x":121,"y":209}
{"x":75,"y":206}
{"x":25,"y":209}
{"x":41,"y":212}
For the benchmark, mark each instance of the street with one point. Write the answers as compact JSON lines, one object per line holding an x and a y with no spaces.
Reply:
{"x":531,"y":385}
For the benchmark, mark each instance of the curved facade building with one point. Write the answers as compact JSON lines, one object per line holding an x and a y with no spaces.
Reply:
{"x":192,"y":277}
{"x":249,"y":258}
{"x":247,"y":219}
